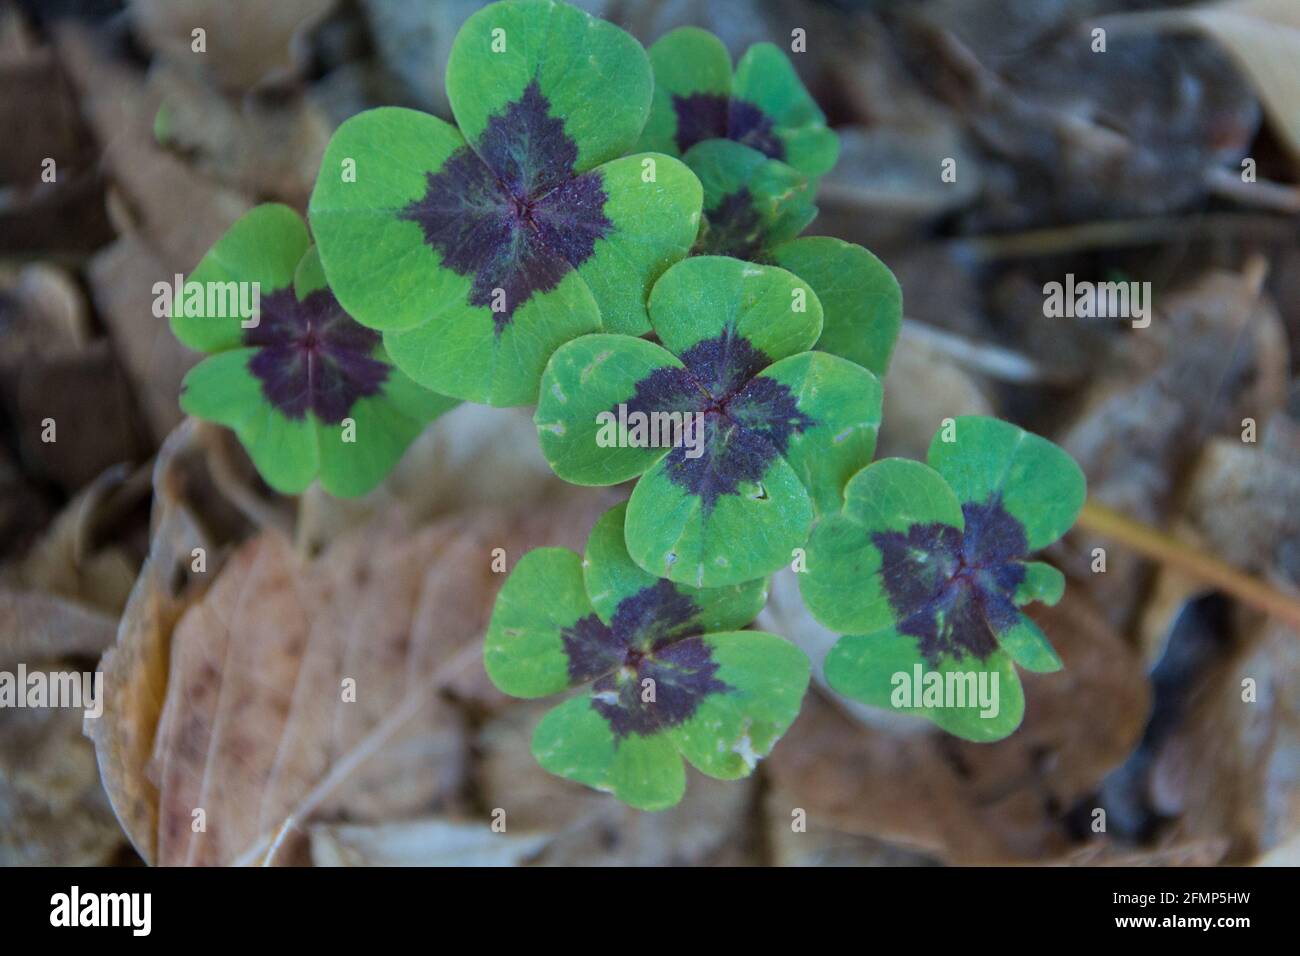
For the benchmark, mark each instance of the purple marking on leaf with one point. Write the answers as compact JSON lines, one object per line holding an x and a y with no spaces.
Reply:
{"x":313,"y":356}
{"x":733,"y":228}
{"x":951,"y":590}
{"x":702,"y":116}
{"x":683,"y":675}
{"x":748,"y":419}
{"x":513,"y":214}
{"x":651,"y":635}
{"x":652,"y":614}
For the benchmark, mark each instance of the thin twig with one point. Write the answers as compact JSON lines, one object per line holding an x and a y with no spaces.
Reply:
{"x":1168,"y":550}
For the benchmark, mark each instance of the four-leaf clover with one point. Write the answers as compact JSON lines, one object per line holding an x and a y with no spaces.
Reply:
{"x":666,"y":671}
{"x":778,"y":429}
{"x":925,"y":570}
{"x":308,"y":391}
{"x":764,"y":105}
{"x":478,"y":249}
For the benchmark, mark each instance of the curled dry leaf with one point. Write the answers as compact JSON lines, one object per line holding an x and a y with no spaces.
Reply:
{"x":295,"y":690}
{"x":245,"y":41}
{"x":135,"y":668}
{"x":255,"y":722}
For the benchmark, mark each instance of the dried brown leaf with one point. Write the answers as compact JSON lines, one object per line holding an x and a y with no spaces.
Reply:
{"x":135,"y":668}
{"x":255,"y":730}
{"x":246,"y":41}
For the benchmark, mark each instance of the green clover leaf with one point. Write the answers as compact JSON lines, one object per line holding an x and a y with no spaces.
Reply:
{"x":478,"y":249}
{"x":755,"y":207}
{"x":763,"y":105}
{"x":741,"y":435}
{"x":670,"y":674}
{"x":925,"y":569}
{"x":310,"y":392}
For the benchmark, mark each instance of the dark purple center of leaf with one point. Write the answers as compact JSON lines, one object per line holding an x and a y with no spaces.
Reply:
{"x":953,"y":591}
{"x":513,"y":215}
{"x":702,"y":116}
{"x":650,"y":637}
{"x":734,"y":228}
{"x":748,"y":420}
{"x":313,"y":356}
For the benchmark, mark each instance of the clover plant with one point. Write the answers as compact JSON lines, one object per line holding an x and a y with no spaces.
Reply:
{"x":672,"y":326}
{"x":478,"y":249}
{"x":925,"y":568}
{"x":309,"y":391}
{"x":780,"y":429}
{"x":665,"y":671}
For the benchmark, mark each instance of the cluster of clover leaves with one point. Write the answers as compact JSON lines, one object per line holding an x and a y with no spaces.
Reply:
{"x":609,"y":229}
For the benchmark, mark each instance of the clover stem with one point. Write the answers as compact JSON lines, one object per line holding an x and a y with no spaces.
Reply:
{"x":1166,"y":549}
